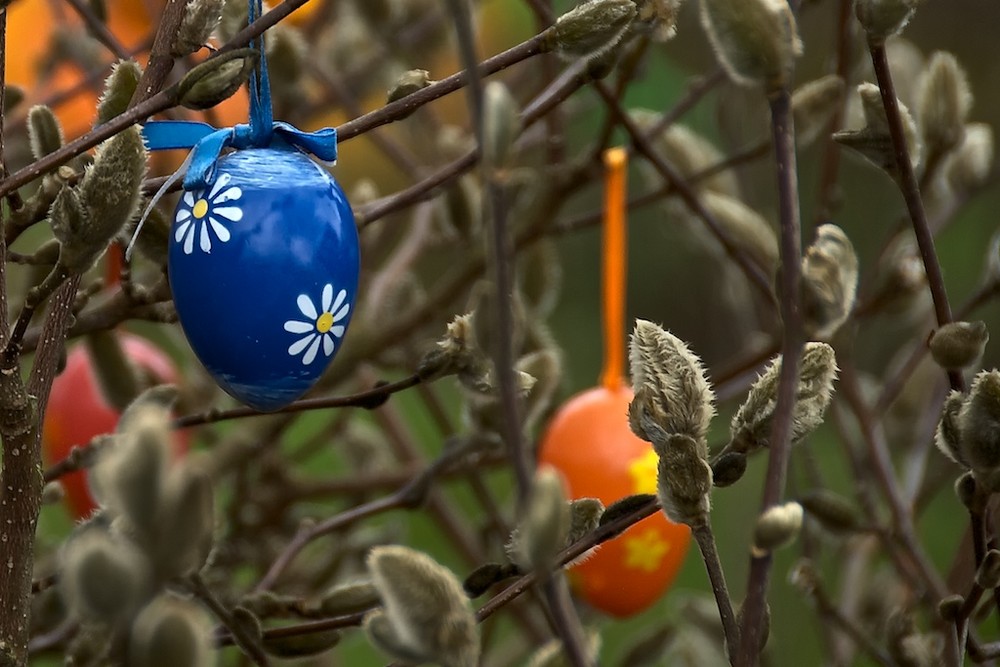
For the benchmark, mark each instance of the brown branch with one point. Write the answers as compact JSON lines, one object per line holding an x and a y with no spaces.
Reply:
{"x":790,"y":248}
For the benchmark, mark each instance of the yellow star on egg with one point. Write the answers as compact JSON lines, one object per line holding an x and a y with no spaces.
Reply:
{"x":643,"y":473}
{"x":645,"y":551}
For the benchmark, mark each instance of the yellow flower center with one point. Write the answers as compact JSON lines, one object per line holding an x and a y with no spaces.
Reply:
{"x":643,"y":473}
{"x":200,"y":209}
{"x":645,"y":551}
{"x":324,"y":322}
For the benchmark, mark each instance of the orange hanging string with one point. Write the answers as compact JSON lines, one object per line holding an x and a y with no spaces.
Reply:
{"x":114,"y":261}
{"x":613,"y":257}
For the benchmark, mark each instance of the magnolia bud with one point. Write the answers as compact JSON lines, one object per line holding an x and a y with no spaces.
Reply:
{"x":216,"y":79}
{"x":943,"y":102}
{"x":170,"y":632}
{"x":829,"y":281}
{"x":968,"y":166}
{"x":501,"y":124}
{"x":541,"y":533}
{"x":958,"y":345}
{"x":979,"y":423}
{"x":591,"y":29}
{"x":814,"y":105}
{"x":756,"y":41}
{"x":778,"y":526}
{"x":44,"y":132}
{"x":884,"y":18}
{"x":200,"y":19}
{"x":119,"y":88}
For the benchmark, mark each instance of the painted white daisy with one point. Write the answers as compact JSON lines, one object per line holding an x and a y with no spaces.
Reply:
{"x":204,"y":215}
{"x":320,"y":326}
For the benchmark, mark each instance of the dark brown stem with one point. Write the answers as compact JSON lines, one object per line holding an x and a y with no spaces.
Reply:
{"x":705,"y":538}
{"x":372,"y":398}
{"x":244,"y":639}
{"x":790,"y":248}
{"x":99,"y":30}
{"x":911,"y":194}
{"x":161,"y":59}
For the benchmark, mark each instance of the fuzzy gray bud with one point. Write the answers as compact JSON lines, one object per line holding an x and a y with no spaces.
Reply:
{"x":683,"y":479}
{"x":45,"y":134}
{"x":874,"y":141}
{"x":109,"y":193}
{"x":778,"y":526}
{"x":814,"y":105}
{"x":119,"y":88}
{"x":948,"y":435}
{"x":884,"y":18}
{"x":670,"y":386}
{"x":834,"y":512}
{"x":102,"y":579}
{"x":542,"y":531}
{"x":426,"y":614}
{"x":657,"y":17}
{"x":408,"y":83}
{"x":347,"y":598}
{"x":756,"y":41}
{"x":171,"y":631}
{"x":591,"y":29}
{"x":501,"y":124}
{"x":829,"y":282}
{"x":200,"y":19}
{"x":116,"y":377}
{"x":943,"y":102}
{"x":979,"y":423}
{"x":216,"y":79}
{"x":746,"y":227}
{"x":958,"y":345}
{"x":968,"y":166}
{"x":584,"y":516}
{"x":751,"y":425}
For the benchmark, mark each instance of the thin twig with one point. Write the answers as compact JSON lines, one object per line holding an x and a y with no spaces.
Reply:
{"x":238,"y":631}
{"x":790,"y":248}
{"x":705,"y":538}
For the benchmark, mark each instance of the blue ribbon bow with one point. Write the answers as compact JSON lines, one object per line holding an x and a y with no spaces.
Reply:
{"x":207,"y":143}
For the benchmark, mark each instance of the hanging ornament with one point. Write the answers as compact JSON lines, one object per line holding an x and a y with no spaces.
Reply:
{"x":263,"y":258}
{"x":590,"y":442}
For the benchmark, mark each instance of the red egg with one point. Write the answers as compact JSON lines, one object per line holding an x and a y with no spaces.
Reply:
{"x":77,"y":412}
{"x":590,"y":442}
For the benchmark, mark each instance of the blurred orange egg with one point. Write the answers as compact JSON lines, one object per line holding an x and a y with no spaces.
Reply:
{"x":590,"y":442}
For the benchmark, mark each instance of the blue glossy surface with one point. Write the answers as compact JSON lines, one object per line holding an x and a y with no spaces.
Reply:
{"x":264,"y":270}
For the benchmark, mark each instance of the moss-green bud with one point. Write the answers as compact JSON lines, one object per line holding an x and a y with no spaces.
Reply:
{"x":45,"y":134}
{"x":200,"y":19}
{"x":829,"y":282}
{"x":950,"y":607}
{"x":728,"y":468}
{"x":170,"y":632}
{"x":756,"y":41}
{"x":968,"y":166}
{"x":408,"y":83}
{"x":943,"y":102}
{"x":584,"y":516}
{"x":130,"y":475}
{"x":501,"y":125}
{"x":300,"y":646}
{"x":670,"y":387}
{"x":216,"y":79}
{"x":187,"y":521}
{"x":591,"y":29}
{"x":119,"y":88}
{"x":747,"y":229}
{"x":426,"y":612}
{"x":884,"y":18}
{"x":383,"y":635}
{"x":834,"y":512}
{"x":778,"y":526}
{"x":979,"y":423}
{"x":751,"y":425}
{"x":948,"y":436}
{"x":485,"y":576}
{"x":689,"y":152}
{"x":958,"y":345}
{"x":348,"y":598}
{"x":103,"y":579}
{"x":814,"y":105}
{"x":683,"y":480}
{"x":109,"y":193}
{"x":542,"y":531}
{"x":624,"y":507}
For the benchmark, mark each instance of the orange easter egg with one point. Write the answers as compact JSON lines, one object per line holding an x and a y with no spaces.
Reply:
{"x":590,"y":442}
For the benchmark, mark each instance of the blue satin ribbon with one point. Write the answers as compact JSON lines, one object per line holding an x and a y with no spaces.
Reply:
{"x":208,"y":142}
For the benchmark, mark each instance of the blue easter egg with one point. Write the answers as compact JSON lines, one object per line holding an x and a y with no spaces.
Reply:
{"x":264,"y":265}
